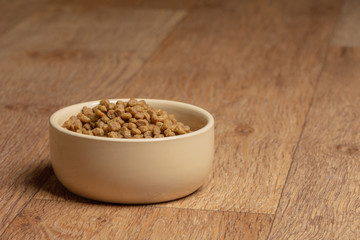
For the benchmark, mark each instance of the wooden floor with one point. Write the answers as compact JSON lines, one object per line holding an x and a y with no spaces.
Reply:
{"x":281,"y":78}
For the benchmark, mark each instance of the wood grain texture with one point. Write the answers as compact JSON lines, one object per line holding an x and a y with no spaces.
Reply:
{"x":43,"y":219}
{"x":20,"y":158}
{"x":254,"y":68}
{"x":92,"y":52}
{"x":347,"y":31}
{"x":13,"y":13}
{"x":321,"y":199}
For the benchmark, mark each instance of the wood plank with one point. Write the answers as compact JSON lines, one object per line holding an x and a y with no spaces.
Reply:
{"x":43,"y":219}
{"x":23,"y":155}
{"x":14,"y":12}
{"x":321,"y":197}
{"x":91,"y":53}
{"x":347,"y":31}
{"x":254,"y":69}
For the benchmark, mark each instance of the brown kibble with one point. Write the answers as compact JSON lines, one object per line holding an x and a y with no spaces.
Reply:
{"x":139,"y":115}
{"x":119,"y":120}
{"x":125,"y":132}
{"x":83,"y":118}
{"x":87,"y":111}
{"x":147,"y":134}
{"x":102,"y":108}
{"x":111,"y":114}
{"x":159,"y":124}
{"x":132,"y":110}
{"x":132,"y":119}
{"x":179,"y":130}
{"x":156,"y":130}
{"x":105,"y":118}
{"x":125,"y":116}
{"x":111,"y":106}
{"x":142,"y":122}
{"x":147,"y":116}
{"x":132,"y":102}
{"x":169,"y":133}
{"x":99,"y":113}
{"x":98,"y":132}
{"x":131,"y":125}
{"x":135,"y":131}
{"x":143,"y":129}
{"x":87,"y":126}
{"x":113,"y":134}
{"x":105,"y":102}
{"x":114,"y":125}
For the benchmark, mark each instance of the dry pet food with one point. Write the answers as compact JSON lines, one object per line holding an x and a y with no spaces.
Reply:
{"x":132,"y":119}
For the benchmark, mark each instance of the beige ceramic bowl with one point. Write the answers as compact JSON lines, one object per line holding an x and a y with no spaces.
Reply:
{"x":134,"y":170}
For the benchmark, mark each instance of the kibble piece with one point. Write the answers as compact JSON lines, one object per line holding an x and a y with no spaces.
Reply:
{"x":143,"y":128}
{"x":135,"y":131}
{"x":131,"y":125}
{"x":169,"y":133}
{"x":102,"y":108}
{"x":142,"y":122}
{"x":156,"y":130}
{"x":105,"y":102}
{"x":119,"y":120}
{"x":132,"y":102}
{"x":78,"y":124}
{"x":98,"y":132}
{"x":111,"y":106}
{"x":83,"y":118}
{"x":111,"y":114}
{"x":126,"y":116}
{"x":113,"y":134}
{"x":139,"y":115}
{"x":87,"y":126}
{"x":147,"y":134}
{"x":114,"y":125}
{"x":147,"y":116}
{"x":132,"y":110}
{"x":159,"y":124}
{"x":99,"y":113}
{"x":179,"y":130}
{"x":105,"y":118}
{"x":166,"y":125}
{"x":133,"y":120}
{"x":125,"y":132}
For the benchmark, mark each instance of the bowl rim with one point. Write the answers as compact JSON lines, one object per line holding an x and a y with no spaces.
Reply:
{"x":209,"y":118}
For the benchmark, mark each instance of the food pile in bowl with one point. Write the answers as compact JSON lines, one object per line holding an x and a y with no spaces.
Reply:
{"x":131,"y":119}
